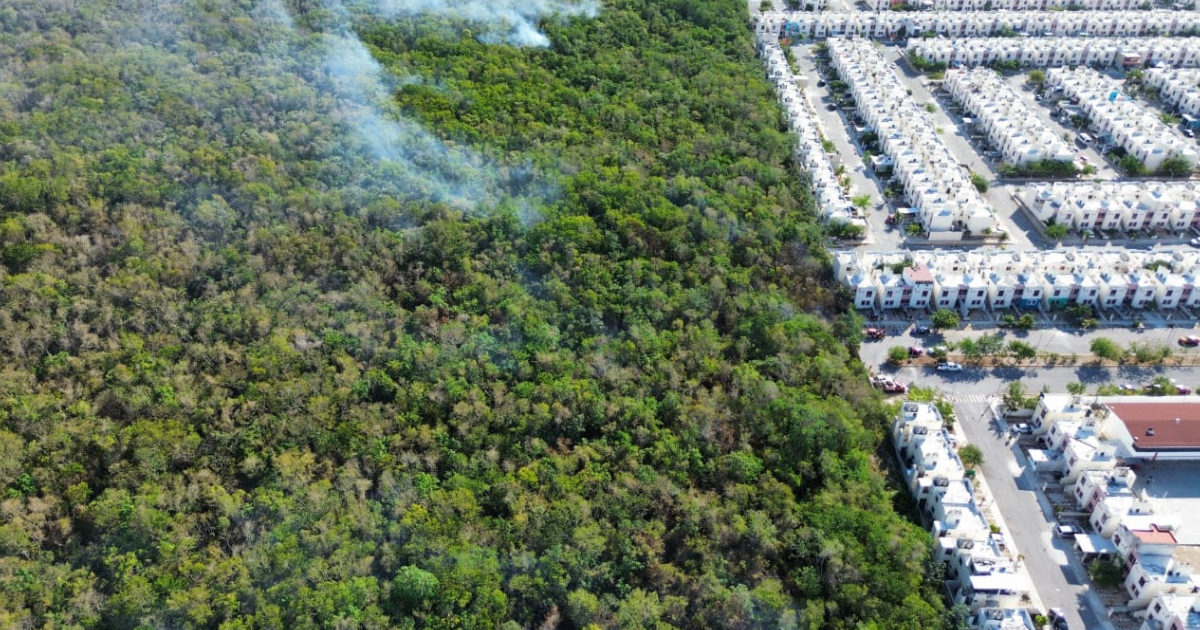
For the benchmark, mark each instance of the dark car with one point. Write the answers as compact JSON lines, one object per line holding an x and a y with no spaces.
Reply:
{"x":1190,"y":340}
{"x":922,"y":330}
{"x":820,"y":84}
{"x":832,"y":107}
{"x":915,"y":351}
{"x":1057,"y":619}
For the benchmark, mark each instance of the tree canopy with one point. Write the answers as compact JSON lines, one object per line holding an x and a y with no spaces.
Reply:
{"x":257,"y":377}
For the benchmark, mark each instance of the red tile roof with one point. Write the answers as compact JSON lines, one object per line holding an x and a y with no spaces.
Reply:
{"x":918,"y":273}
{"x":1174,"y":425}
{"x":1155,"y":536}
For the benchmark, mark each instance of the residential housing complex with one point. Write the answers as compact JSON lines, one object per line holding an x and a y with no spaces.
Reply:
{"x":1043,"y":52}
{"x":1095,"y":443}
{"x":1115,"y":206}
{"x":1179,"y":87}
{"x":901,"y":25}
{"x":810,"y":154}
{"x":994,"y":280}
{"x":1119,"y":120}
{"x":979,"y":572}
{"x":936,"y":185}
{"x":1009,"y":5}
{"x":1016,"y":132}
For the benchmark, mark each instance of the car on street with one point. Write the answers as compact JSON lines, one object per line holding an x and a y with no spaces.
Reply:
{"x":1057,"y":619}
{"x":1066,"y":531}
{"x":1194,"y":242}
{"x":949,"y":366}
{"x":922,"y":330}
{"x":1128,"y":387}
{"x":1190,"y":340}
{"x":832,"y":107}
{"x":820,"y":84}
{"x":876,"y":333}
{"x":1182,"y":391}
{"x":915,"y":351}
{"x":1021,"y":428}
{"x":1189,"y":133}
{"x":893,"y":387}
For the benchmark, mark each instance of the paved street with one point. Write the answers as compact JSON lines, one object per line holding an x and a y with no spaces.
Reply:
{"x":1047,"y":340}
{"x":862,"y":181}
{"x":1057,"y":574}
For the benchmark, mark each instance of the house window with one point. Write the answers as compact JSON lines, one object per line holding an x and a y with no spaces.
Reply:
{"x":1169,"y":292}
{"x":1142,"y":581}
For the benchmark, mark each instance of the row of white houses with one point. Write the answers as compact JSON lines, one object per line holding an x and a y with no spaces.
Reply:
{"x":1093,"y":442}
{"x":1116,"y":206}
{"x":1040,"y":52}
{"x":980,"y":574}
{"x":1009,"y":5}
{"x":1119,"y":120}
{"x":992,"y":280}
{"x":937,"y":187}
{"x":900,"y":25}
{"x":1177,"y":86}
{"x":832,"y":201}
{"x":1014,"y":129}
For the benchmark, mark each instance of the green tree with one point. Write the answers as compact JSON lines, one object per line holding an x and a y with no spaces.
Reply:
{"x":944,"y":318}
{"x":980,"y":182}
{"x":1106,"y":348}
{"x":1021,"y":350}
{"x":1036,"y":78}
{"x":1076,"y":388}
{"x":971,"y":456}
{"x":1057,"y":231}
{"x":897,"y":354}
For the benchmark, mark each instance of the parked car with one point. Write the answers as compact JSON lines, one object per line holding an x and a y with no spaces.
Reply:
{"x":893,"y":387}
{"x":1190,"y":340}
{"x":915,"y":351}
{"x":1057,"y":619}
{"x":1021,"y":428}
{"x":922,"y":330}
{"x":949,"y":366}
{"x":820,"y":84}
{"x":1194,"y":242}
{"x":832,"y":107}
{"x":1189,"y":133}
{"x":1182,"y":391}
{"x":1066,"y":531}
{"x":876,"y":333}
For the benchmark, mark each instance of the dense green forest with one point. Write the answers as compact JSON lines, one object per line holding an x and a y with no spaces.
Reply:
{"x":575,"y":364}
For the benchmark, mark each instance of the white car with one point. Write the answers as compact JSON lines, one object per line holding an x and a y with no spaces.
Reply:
{"x":949,"y":366}
{"x":1022,"y":429}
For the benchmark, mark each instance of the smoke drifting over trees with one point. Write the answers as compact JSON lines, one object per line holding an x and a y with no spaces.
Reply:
{"x":504,"y":21}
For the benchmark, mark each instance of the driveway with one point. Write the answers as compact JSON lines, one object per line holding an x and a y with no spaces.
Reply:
{"x":1060,"y":579}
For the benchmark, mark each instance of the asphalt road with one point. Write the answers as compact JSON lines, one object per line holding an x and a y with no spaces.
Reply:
{"x":1060,"y":579}
{"x":834,"y":127}
{"x":1048,"y":340}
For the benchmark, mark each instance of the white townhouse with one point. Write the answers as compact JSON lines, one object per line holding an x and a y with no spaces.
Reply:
{"x":1155,"y":575}
{"x":833,"y":202}
{"x":995,"y":279}
{"x":1177,"y":86}
{"x":1037,"y":52}
{"x":1172,"y":612}
{"x":1121,"y":206}
{"x":1120,"y":121}
{"x":937,"y":187}
{"x":1015,"y":130}
{"x":803,"y":25}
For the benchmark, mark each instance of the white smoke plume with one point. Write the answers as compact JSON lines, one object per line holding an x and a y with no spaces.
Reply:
{"x":453,"y":175}
{"x":514,"y":22}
